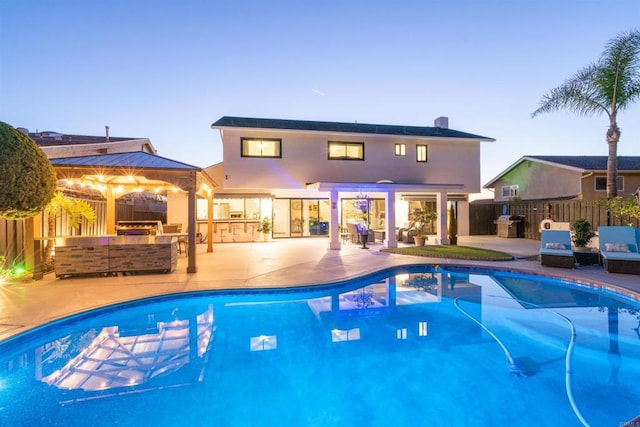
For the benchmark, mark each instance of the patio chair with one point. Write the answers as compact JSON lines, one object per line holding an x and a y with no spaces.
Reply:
{"x":619,"y":249}
{"x":356,"y":229}
{"x":353,"y":232}
{"x":555,"y":249}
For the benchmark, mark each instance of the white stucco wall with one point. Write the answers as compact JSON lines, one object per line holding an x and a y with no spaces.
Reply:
{"x":177,"y":209}
{"x":304,"y":160}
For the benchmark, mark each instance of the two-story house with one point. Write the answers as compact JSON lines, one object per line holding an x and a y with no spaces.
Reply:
{"x":312,"y":178}
{"x":564,"y":177}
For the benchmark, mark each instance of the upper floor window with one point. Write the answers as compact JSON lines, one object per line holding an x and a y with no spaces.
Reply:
{"x":346,"y":150}
{"x":601,"y":183}
{"x":421,"y":153}
{"x":510,"y":191}
{"x":401,"y":149}
{"x":260,"y":147}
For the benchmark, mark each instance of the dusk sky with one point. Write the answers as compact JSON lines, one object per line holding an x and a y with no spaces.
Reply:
{"x":166,"y":70}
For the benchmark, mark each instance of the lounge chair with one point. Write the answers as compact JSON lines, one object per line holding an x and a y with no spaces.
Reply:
{"x":619,"y":249}
{"x":555,"y":249}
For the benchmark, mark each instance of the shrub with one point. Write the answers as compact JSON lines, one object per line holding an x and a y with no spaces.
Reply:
{"x":27,"y":179}
{"x":582,"y":233}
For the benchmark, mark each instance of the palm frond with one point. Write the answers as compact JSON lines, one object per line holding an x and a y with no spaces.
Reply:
{"x":606,"y":86}
{"x":579,"y":94}
{"x":621,"y":69}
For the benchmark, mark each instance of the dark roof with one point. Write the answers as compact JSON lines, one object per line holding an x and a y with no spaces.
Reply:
{"x":625,"y":163}
{"x":46,"y":139}
{"x":136,"y":159}
{"x":360,"y":128}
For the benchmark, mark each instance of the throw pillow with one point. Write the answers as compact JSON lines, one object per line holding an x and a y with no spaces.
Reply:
{"x":616,"y":247}
{"x":555,"y":246}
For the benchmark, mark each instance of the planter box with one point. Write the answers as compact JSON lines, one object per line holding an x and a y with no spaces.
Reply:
{"x":587,"y":257}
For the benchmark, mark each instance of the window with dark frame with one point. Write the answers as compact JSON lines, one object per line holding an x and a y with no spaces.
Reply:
{"x":421,"y":153}
{"x":601,"y":183}
{"x":261,"y":147}
{"x":401,"y":149}
{"x":346,"y":150}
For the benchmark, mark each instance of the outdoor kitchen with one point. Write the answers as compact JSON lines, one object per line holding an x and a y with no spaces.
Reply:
{"x":137,"y":247}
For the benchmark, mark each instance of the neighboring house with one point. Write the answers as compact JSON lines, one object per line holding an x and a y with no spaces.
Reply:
{"x":57,"y":145}
{"x":564,"y":177}
{"x":313,"y":178}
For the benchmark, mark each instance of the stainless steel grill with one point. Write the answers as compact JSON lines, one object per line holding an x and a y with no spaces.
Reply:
{"x":138,"y":228}
{"x":509,"y":226}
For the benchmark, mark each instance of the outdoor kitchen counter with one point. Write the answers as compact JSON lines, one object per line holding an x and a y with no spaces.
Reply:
{"x":115,"y":254}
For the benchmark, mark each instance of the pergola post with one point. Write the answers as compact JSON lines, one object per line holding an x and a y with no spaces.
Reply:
{"x":191,"y":221}
{"x":209,"y":221}
{"x":111,"y":210}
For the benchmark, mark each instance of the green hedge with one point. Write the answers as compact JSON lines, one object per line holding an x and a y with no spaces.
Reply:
{"x":27,"y":179}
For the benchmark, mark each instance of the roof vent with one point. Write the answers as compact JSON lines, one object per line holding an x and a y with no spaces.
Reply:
{"x":441,"y":122}
{"x":106,"y":128}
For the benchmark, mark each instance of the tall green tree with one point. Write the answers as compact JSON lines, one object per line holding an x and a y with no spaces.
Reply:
{"x":27,"y":179}
{"x":609,"y":86}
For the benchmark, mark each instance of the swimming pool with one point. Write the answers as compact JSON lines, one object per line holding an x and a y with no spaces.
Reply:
{"x":410,"y":346}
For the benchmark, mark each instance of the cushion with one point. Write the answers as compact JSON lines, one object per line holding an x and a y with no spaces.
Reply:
{"x":616,"y":247}
{"x":555,"y":246}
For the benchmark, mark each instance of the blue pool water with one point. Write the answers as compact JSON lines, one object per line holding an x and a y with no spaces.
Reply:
{"x":408,"y":347}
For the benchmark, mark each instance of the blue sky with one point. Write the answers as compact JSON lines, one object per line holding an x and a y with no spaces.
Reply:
{"x":166,"y":70}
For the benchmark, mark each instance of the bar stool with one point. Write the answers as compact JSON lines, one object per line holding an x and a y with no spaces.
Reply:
{"x":182,"y":243}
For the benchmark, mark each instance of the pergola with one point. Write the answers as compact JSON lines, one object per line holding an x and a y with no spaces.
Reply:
{"x":114,"y":175}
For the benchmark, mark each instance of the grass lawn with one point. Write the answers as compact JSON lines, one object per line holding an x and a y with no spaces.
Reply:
{"x":452,"y":251}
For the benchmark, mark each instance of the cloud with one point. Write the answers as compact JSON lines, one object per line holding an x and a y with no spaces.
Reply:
{"x":317,"y":91}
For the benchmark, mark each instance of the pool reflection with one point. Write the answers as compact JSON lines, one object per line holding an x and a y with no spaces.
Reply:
{"x":228,"y":346}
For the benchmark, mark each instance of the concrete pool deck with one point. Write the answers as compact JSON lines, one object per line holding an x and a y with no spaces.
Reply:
{"x":278,"y":263}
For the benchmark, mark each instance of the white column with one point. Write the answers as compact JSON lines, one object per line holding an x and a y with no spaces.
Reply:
{"x":441,"y":207}
{"x":390,"y":240}
{"x":334,"y":225}
{"x":463,"y":218}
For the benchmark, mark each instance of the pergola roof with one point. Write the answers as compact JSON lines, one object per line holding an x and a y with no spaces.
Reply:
{"x":140,"y":168}
{"x":137,"y":159}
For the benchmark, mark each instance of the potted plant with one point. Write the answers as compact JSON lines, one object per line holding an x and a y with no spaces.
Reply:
{"x":582,"y":233}
{"x":420,"y":220}
{"x":453,"y":226}
{"x":265,"y":228}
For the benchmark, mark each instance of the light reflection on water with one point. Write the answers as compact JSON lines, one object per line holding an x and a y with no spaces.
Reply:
{"x":411,"y":347}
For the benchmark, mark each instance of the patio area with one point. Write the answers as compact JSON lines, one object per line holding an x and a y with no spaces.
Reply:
{"x":274,"y":264}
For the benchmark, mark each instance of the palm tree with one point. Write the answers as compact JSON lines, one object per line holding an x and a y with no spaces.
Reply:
{"x":609,"y":86}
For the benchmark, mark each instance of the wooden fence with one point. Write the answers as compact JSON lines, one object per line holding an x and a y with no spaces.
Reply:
{"x":12,"y":232}
{"x":482,"y":215}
